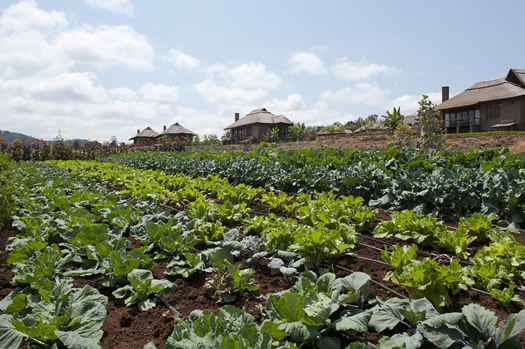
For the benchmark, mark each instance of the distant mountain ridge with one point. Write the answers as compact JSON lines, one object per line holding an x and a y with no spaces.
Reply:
{"x":10,"y":137}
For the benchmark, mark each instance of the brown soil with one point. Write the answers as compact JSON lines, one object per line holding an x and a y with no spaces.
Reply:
{"x":6,"y":275}
{"x":381,"y":141}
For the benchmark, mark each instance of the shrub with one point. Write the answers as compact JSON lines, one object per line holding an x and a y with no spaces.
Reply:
{"x":393,"y":120}
{"x":6,"y":189}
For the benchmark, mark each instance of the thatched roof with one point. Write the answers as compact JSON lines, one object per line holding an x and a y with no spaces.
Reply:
{"x":146,"y":133}
{"x":260,"y":116}
{"x":516,"y":76}
{"x":410,"y":119}
{"x":369,"y":127}
{"x":177,"y":129}
{"x":511,"y":86}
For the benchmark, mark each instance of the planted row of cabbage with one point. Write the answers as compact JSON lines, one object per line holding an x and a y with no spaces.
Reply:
{"x":302,"y":327}
{"x":449,"y":183}
{"x":324,"y":226}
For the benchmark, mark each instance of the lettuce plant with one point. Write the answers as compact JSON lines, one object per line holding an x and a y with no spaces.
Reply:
{"x":141,"y":286}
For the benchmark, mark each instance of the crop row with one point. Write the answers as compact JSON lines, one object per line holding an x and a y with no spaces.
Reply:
{"x":324,"y":226}
{"x":69,"y":221}
{"x":448,"y":183}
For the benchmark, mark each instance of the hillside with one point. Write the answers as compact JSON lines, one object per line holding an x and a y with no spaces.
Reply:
{"x":10,"y":137}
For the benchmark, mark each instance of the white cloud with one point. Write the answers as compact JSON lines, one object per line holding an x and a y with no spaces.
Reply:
{"x":348,"y":70}
{"x":76,"y":105}
{"x":63,"y":88}
{"x":410,"y":103}
{"x":320,"y":114}
{"x":248,"y":75}
{"x":105,"y":46}
{"x":182,"y":60}
{"x":293,"y":102}
{"x":362,"y":93}
{"x":160,"y":93}
{"x":228,"y":96}
{"x":237,"y":88}
{"x":25,"y":35}
{"x":201,"y":122}
{"x":124,"y":94}
{"x":29,"y":53}
{"x":118,"y":6}
{"x":25,"y":16}
{"x":306,"y":62}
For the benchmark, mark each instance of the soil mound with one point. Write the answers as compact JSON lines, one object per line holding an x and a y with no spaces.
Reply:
{"x":518,"y":147}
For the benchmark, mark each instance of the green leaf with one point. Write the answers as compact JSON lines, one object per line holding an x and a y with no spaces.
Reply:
{"x":325,"y":283}
{"x":328,"y":343}
{"x":298,"y":331}
{"x":355,"y":320}
{"x":287,"y":307}
{"x":510,"y":328}
{"x":483,"y":320}
{"x":73,"y":340}
{"x":18,"y":304}
{"x":10,"y":337}
{"x":386,"y":317}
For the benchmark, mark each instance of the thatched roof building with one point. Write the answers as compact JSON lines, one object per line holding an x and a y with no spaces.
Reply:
{"x":147,"y":136}
{"x":176,"y":130}
{"x":254,"y":125}
{"x":487,"y":105}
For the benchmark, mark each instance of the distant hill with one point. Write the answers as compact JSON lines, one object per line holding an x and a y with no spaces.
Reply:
{"x":10,"y":137}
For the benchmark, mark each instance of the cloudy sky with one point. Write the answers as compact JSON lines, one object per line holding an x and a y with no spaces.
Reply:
{"x":101,"y":68}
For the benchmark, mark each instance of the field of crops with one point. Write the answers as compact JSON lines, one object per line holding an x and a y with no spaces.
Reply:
{"x":267,"y":250}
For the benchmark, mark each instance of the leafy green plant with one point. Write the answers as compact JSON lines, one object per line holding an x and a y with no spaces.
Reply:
{"x":241,"y":193}
{"x":408,"y":225}
{"x":230,"y":328}
{"x":272,"y":135}
{"x":505,"y":296}
{"x":432,"y":281}
{"x":276,"y":201}
{"x":230,"y":280}
{"x":6,"y":189}
{"x":430,"y":134}
{"x":191,"y":264}
{"x":479,"y":225}
{"x":142,"y":285}
{"x":171,"y":237}
{"x":455,"y":240}
{"x":301,"y":312}
{"x":258,"y":224}
{"x":70,"y":317}
{"x":474,"y":327}
{"x":206,"y":231}
{"x":393,"y":120}
{"x":116,"y":261}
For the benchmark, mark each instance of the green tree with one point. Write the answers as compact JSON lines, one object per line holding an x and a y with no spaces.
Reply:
{"x":430,"y":134}
{"x":393,"y":120}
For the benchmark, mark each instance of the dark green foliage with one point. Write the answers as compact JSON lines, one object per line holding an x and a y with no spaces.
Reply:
{"x":452,"y":183}
{"x":6,"y":189}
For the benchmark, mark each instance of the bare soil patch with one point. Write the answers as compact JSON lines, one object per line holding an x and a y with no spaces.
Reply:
{"x":381,"y":141}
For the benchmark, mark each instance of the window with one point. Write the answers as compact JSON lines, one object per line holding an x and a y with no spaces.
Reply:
{"x":494,"y":111}
{"x":249,"y":131}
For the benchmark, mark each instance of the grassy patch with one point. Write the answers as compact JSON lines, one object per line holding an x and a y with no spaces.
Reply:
{"x":485,"y":133}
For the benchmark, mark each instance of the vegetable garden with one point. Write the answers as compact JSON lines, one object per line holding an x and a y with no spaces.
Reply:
{"x":267,"y":250}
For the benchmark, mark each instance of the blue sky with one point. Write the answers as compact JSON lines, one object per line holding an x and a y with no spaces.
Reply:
{"x":101,"y":68}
